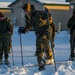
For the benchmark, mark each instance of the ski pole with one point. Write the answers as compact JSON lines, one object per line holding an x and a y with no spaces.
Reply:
{"x":52,"y":47}
{"x":21,"y":49}
{"x":12,"y":56}
{"x":12,"y":51}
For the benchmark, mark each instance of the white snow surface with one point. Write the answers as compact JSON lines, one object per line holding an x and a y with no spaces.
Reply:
{"x":61,"y":53}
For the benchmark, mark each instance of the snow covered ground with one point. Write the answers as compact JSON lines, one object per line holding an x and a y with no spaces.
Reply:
{"x":61,"y":51}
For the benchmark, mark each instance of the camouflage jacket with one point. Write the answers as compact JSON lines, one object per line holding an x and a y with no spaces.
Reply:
{"x":53,"y":30}
{"x":71,"y":23}
{"x":38,"y":22}
{"x":6,"y":29}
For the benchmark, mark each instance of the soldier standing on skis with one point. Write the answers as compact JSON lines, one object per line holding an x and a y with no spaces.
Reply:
{"x":37,"y":20}
{"x":6,"y":30}
{"x":71,"y":26}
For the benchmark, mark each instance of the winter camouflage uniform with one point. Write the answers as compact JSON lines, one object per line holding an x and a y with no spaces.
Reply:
{"x":5,"y":32}
{"x":71,"y":26}
{"x":38,"y":22}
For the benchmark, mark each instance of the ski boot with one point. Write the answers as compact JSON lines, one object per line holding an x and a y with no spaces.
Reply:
{"x":0,"y":61}
{"x":71,"y":59}
{"x":7,"y":61}
{"x":41,"y":68}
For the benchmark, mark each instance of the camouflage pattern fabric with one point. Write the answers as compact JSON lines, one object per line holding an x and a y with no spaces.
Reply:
{"x":6,"y":30}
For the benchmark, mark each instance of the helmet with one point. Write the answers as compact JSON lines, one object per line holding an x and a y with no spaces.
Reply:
{"x":26,"y":6}
{"x":1,"y":14}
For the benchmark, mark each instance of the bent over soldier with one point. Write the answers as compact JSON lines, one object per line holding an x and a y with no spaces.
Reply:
{"x":71,"y":27}
{"x":5,"y":32}
{"x":37,"y":20}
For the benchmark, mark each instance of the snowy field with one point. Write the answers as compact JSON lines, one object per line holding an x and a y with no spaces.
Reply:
{"x":61,"y":51}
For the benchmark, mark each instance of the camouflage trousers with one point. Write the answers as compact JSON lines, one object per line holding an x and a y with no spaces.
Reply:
{"x":4,"y":49}
{"x":72,"y":43}
{"x":42,"y":45}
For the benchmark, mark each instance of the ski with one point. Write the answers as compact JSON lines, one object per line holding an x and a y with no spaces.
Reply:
{"x":6,"y":66}
{"x":9,"y":65}
{"x":3,"y":66}
{"x":67,"y":62}
{"x":34,"y":65}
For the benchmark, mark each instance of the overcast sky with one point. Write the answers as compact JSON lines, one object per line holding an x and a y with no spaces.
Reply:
{"x":43,"y":0}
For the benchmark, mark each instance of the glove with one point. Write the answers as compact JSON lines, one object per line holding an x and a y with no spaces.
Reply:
{"x":21,"y":30}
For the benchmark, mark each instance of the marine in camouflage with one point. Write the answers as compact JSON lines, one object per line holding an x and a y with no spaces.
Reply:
{"x":6,"y":30}
{"x":37,"y":20}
